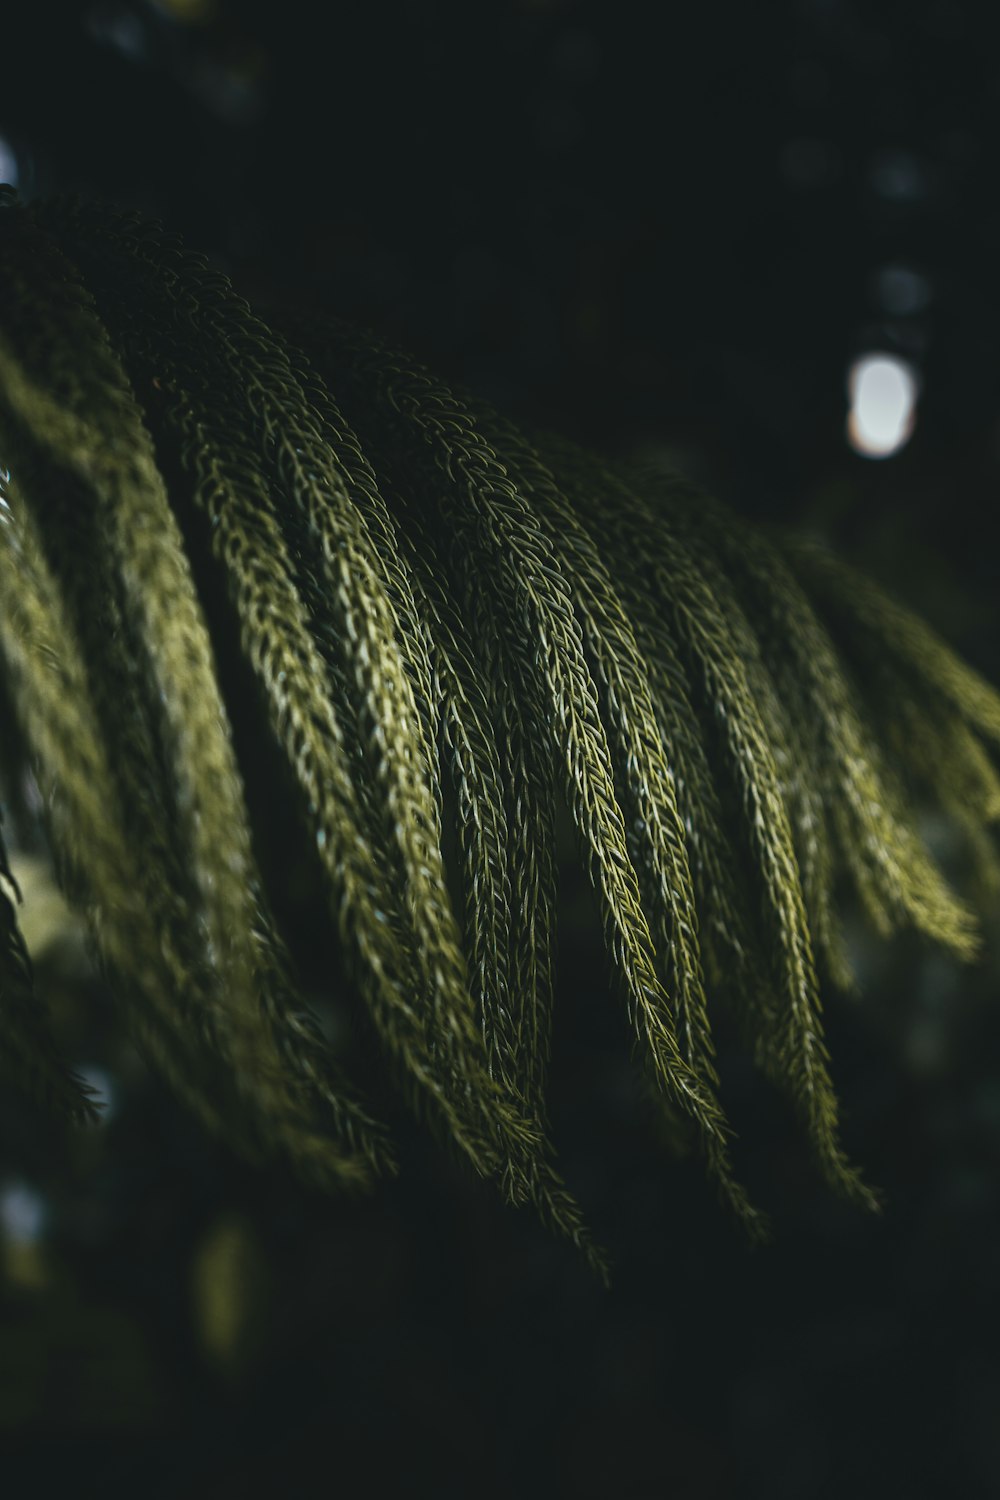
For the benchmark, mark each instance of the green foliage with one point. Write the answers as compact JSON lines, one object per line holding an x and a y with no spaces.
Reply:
{"x":445,"y":621}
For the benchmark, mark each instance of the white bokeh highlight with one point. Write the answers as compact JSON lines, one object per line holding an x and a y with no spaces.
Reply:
{"x":883,"y":392}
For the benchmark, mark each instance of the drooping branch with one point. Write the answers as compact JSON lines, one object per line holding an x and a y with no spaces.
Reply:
{"x":443,"y":618}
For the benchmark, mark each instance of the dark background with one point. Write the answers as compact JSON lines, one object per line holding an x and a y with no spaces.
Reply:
{"x":660,"y":228}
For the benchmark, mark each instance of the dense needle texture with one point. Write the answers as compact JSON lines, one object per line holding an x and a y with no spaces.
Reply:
{"x":452,"y":632}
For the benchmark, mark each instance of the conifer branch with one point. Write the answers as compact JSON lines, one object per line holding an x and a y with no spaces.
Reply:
{"x":447,"y":624}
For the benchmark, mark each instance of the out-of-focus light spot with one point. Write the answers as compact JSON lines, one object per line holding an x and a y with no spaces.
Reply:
{"x":23,"y":1213}
{"x":120,"y":28}
{"x":8,"y":164}
{"x":228,"y":1283}
{"x":187,"y":12}
{"x":898,"y":176}
{"x":105,"y":1090}
{"x":901,"y":290}
{"x":231,"y":88}
{"x":883,"y":394}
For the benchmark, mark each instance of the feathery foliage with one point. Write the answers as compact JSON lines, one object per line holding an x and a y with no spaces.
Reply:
{"x":446,"y":622}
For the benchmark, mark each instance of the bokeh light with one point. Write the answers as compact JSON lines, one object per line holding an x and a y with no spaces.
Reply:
{"x":8,"y":163}
{"x":883,"y":395}
{"x":23,"y":1213}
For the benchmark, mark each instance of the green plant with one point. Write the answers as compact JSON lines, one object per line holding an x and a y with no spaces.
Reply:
{"x":446,"y":622}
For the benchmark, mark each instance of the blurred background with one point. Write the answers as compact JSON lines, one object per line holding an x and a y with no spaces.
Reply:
{"x":761,"y":242}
